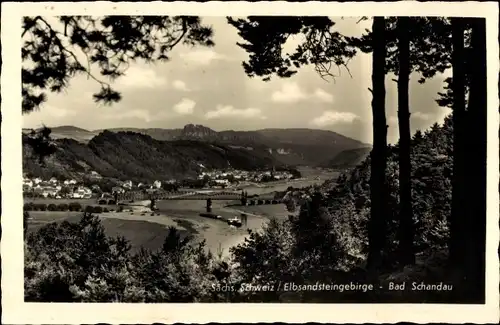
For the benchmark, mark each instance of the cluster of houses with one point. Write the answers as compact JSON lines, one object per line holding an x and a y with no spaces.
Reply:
{"x":129,"y":185}
{"x":70,"y":188}
{"x":54,"y":188}
{"x":223,"y":177}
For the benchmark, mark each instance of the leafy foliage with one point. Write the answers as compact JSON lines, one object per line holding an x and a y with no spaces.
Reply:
{"x":430,"y":45}
{"x":40,"y":143}
{"x":53,"y":52}
{"x":265,"y":37}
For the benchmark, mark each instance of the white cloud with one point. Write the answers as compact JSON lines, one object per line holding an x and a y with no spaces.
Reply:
{"x":323,"y":96}
{"x":185,"y":106}
{"x":140,"y":114}
{"x":421,"y":116}
{"x":201,"y":56}
{"x":180,"y":85}
{"x":141,"y":77}
{"x":230,"y":111}
{"x":333,"y":117}
{"x":290,"y":92}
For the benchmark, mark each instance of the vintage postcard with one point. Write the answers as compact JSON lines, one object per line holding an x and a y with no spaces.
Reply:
{"x":250,"y":162}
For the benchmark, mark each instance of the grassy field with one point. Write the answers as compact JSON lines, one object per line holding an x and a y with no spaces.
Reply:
{"x":82,"y":202}
{"x":146,"y":233}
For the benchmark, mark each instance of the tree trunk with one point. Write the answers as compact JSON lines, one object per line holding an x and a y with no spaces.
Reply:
{"x":378,"y":188}
{"x":406,"y":226}
{"x":457,"y":218}
{"x":476,"y":165}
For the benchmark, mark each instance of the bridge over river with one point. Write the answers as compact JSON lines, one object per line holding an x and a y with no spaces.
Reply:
{"x":189,"y":195}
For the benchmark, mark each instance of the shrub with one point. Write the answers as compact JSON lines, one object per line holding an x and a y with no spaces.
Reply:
{"x":102,"y":201}
{"x":120,"y":209}
{"x":59,"y":268}
{"x":97,"y":209}
{"x":105,"y":210}
{"x":52,"y":207}
{"x":42,"y":207}
{"x":111,"y":202}
{"x":63,"y":207}
{"x":28,"y":206}
{"x":75,"y":206}
{"x":26,"y":217}
{"x":89,"y":209}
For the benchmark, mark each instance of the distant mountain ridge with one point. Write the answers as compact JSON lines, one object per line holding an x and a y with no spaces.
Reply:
{"x":296,"y":146}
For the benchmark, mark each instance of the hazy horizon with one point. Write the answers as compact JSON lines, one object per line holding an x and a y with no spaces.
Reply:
{"x":181,"y":127}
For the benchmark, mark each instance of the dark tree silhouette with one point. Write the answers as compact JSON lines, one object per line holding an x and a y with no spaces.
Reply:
{"x":406,"y":227}
{"x":59,"y":50}
{"x":173,"y":243}
{"x":475,"y":160}
{"x":378,"y":186}
{"x":457,"y":218}
{"x":430,"y":41}
{"x":40,"y":143}
{"x":428,"y":37}
{"x":264,"y":38}
{"x":54,"y":51}
{"x":209,"y":205}
{"x":26,"y":217}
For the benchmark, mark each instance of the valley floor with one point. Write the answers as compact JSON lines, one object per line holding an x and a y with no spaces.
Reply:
{"x":143,"y":228}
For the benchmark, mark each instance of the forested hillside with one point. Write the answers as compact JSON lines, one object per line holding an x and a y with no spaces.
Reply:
{"x":348,"y":158}
{"x":348,"y":200}
{"x":128,"y":155}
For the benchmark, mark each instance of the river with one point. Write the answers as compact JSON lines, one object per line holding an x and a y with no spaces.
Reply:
{"x":218,"y":234}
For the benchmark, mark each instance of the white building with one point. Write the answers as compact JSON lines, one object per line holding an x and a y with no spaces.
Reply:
{"x":127,"y":185}
{"x":222,"y":182}
{"x":95,"y":174}
{"x":28,"y":182}
{"x":82,"y":192}
{"x":157,"y":184}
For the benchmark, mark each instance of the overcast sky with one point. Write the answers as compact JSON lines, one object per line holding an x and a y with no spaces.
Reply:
{"x":208,"y":86}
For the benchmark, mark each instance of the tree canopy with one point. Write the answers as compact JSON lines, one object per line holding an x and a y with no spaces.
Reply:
{"x":265,"y":36}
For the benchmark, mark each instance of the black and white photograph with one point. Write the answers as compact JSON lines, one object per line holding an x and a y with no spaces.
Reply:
{"x":310,"y":157}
